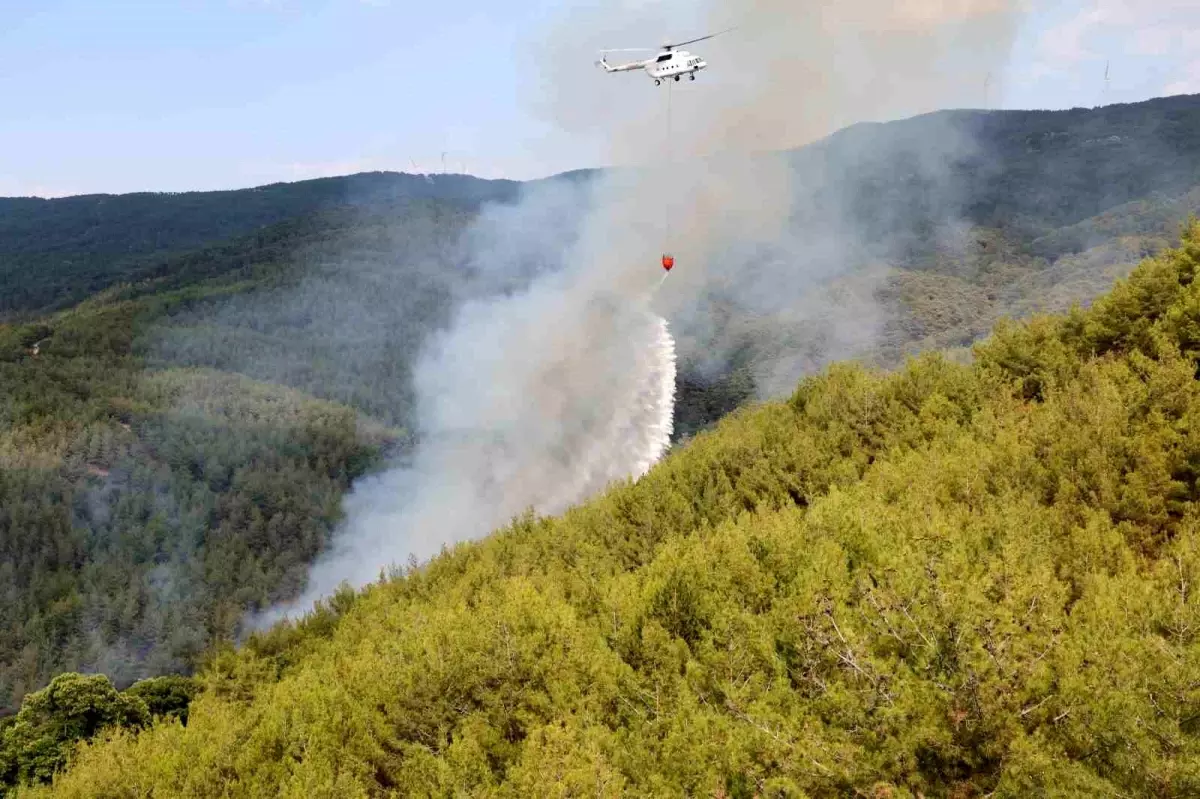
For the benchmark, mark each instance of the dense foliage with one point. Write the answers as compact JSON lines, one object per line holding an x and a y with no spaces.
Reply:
{"x":951,"y":580}
{"x":39,"y":740}
{"x":142,"y":513}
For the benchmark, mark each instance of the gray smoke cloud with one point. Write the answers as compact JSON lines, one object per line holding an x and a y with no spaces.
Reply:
{"x":749,"y":225}
{"x":532,"y":399}
{"x":556,"y":372}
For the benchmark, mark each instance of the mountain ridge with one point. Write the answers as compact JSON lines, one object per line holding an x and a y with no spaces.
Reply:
{"x":1002,"y":159}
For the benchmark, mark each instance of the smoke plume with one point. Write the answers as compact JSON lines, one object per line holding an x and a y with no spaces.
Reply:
{"x":532,"y":400}
{"x":550,"y":382}
{"x":751,"y":226}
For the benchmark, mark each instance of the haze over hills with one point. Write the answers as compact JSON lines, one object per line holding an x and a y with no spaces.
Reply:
{"x":55,"y":252}
{"x":1028,"y":171}
{"x":193,"y":382}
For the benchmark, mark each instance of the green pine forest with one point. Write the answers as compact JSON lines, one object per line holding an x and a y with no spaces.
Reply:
{"x":956,"y":562}
{"x":947,"y":580}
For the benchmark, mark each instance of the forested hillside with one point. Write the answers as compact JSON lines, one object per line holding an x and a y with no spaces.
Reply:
{"x":950,"y":580}
{"x":174,"y":448}
{"x":142,"y":513}
{"x":1032,"y":172}
{"x":54,"y":253}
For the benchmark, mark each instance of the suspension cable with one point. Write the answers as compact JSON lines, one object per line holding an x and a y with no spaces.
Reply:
{"x":668,"y":161}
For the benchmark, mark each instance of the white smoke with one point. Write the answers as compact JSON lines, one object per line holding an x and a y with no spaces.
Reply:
{"x":534,"y":401}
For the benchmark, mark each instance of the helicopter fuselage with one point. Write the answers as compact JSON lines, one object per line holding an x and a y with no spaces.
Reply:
{"x":673,"y":65}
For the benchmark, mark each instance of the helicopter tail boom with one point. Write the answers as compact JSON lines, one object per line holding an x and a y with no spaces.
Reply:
{"x":620,"y":67}
{"x":632,"y":65}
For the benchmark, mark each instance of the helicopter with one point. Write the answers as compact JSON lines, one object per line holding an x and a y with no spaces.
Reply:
{"x":670,"y":63}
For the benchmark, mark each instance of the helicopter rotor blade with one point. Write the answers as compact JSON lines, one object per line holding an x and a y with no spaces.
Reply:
{"x":701,"y":39}
{"x":630,"y":50}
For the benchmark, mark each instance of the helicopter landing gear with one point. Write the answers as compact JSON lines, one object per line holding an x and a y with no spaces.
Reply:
{"x":657,"y":82}
{"x":692,"y":76}
{"x":677,"y":78}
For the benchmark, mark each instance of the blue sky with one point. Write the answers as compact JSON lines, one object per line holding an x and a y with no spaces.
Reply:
{"x":1151,"y":48}
{"x":173,"y":95}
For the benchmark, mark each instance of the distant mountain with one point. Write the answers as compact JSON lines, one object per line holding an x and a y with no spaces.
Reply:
{"x":1028,"y":171}
{"x":56,"y":252}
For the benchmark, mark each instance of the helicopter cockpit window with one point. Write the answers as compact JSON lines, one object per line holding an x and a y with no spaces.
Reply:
{"x":664,"y":57}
